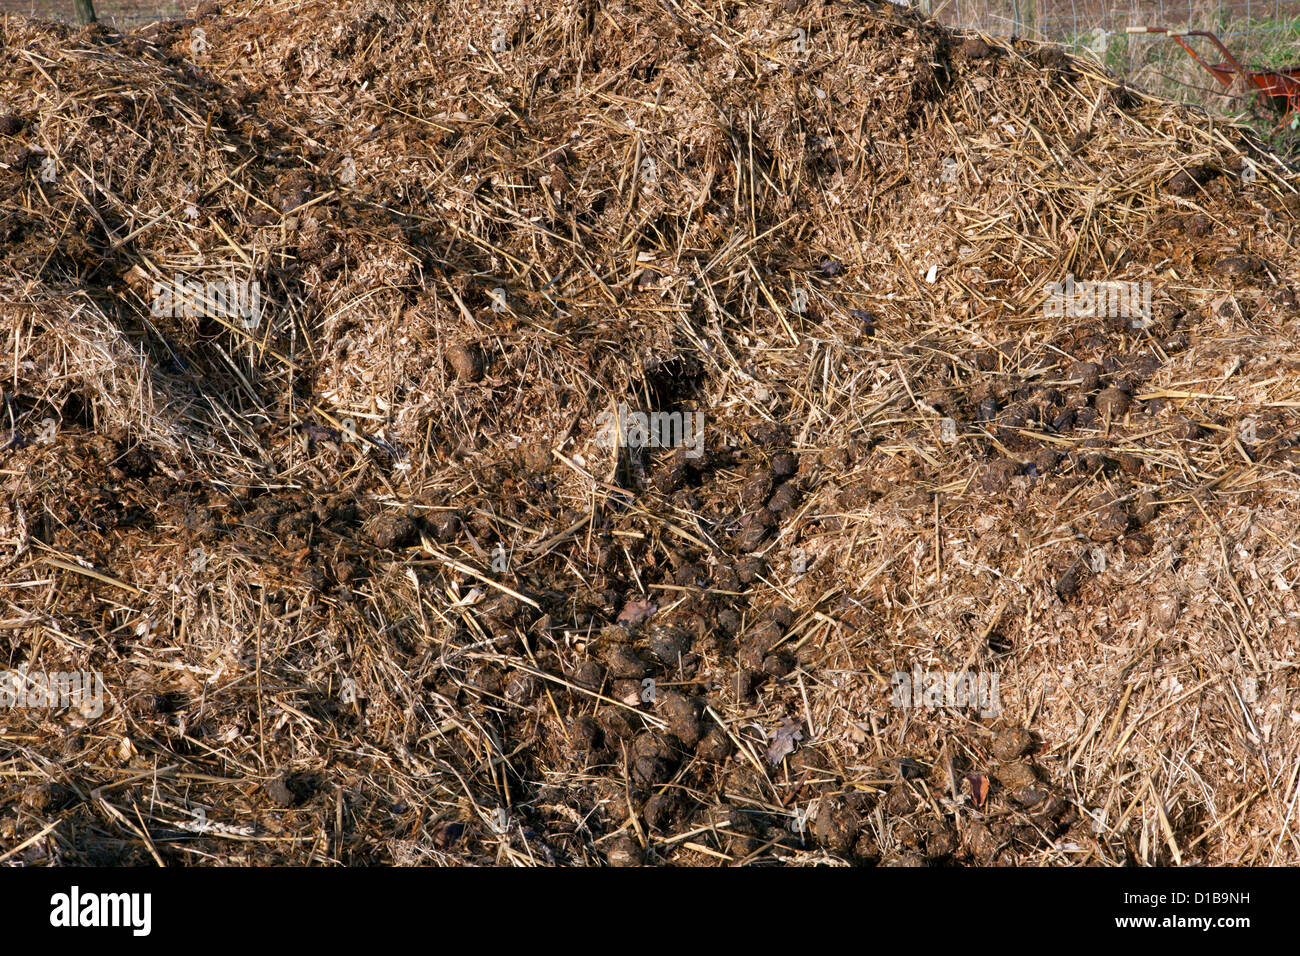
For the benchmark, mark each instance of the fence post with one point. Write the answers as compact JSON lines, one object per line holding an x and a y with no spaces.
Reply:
{"x":1025,"y":11}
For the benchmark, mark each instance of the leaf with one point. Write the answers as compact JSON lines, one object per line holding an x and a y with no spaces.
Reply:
{"x":634,"y":612}
{"x":787,"y":734}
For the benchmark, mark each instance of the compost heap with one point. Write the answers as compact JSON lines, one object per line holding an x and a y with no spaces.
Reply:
{"x":370,"y":578}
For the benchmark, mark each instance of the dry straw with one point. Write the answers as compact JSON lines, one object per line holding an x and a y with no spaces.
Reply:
{"x":364,"y":585}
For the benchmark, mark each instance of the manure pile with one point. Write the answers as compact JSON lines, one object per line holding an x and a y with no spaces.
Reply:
{"x":319,"y":323}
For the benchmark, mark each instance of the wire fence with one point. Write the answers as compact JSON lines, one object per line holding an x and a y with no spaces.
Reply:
{"x":119,"y":16}
{"x":1076,"y":21}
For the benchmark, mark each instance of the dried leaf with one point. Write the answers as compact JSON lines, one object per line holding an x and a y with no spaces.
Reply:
{"x":787,"y":734}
